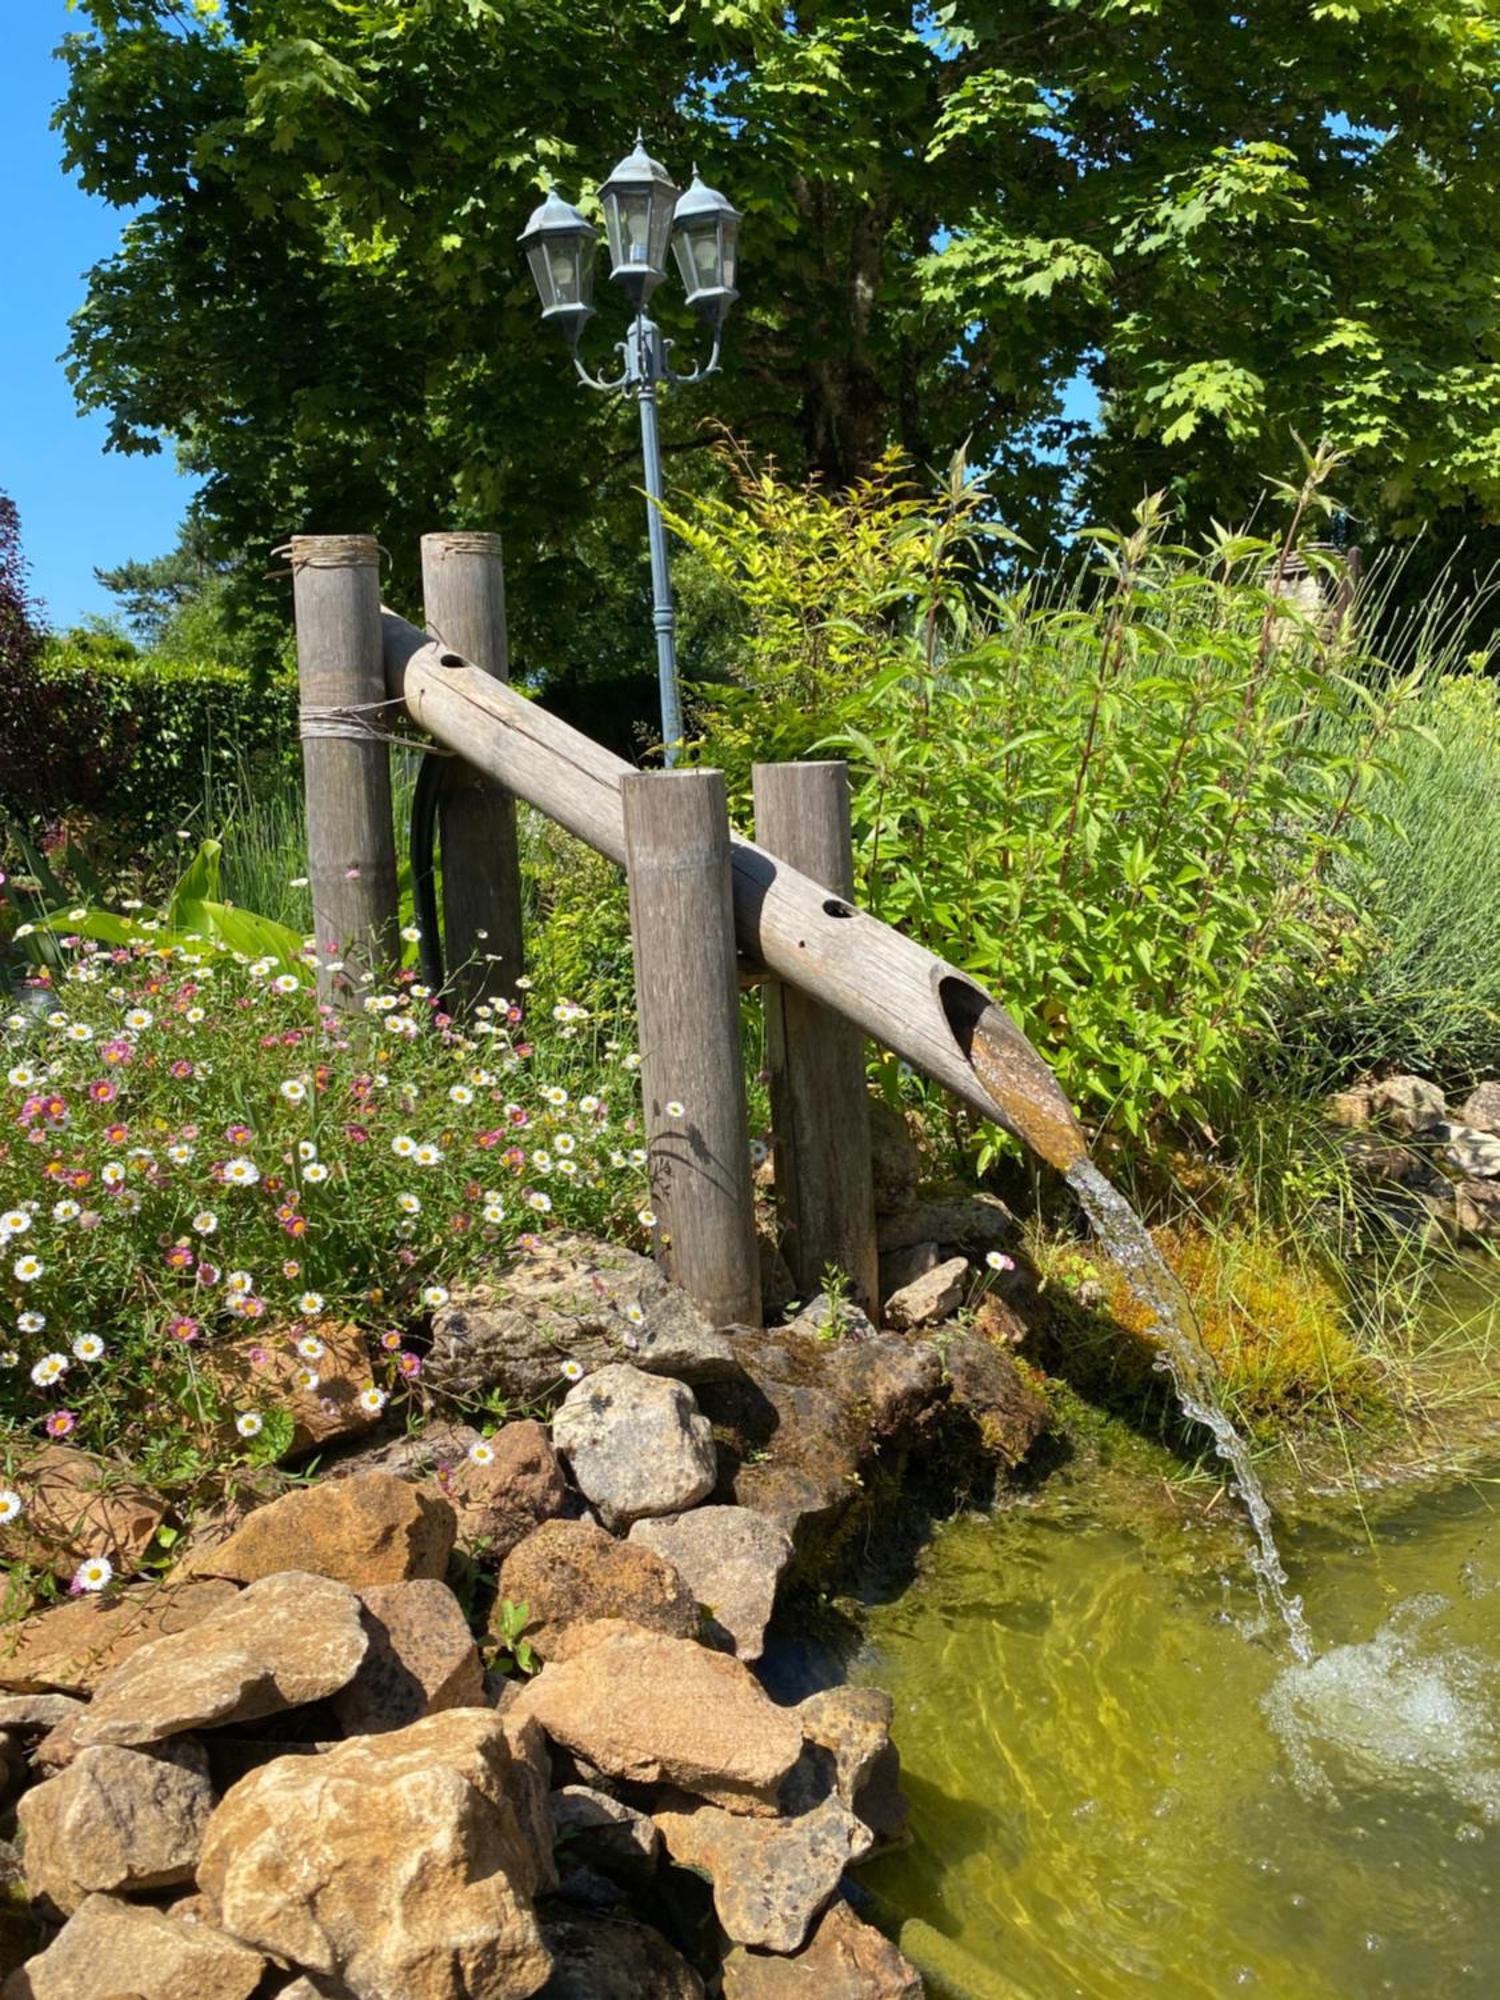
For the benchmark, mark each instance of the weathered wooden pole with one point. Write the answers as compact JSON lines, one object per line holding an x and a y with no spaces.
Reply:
{"x":820,"y":1108}
{"x":692,"y":1066}
{"x":463,"y":594}
{"x":351,"y":848}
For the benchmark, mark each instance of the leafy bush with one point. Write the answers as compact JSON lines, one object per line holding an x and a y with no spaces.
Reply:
{"x":193,"y":1152}
{"x":131,"y":738}
{"x":20,"y":637}
{"x":1117,"y":799}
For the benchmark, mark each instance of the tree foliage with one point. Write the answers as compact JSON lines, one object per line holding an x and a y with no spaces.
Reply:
{"x":1230,"y":220}
{"x":20,"y":636}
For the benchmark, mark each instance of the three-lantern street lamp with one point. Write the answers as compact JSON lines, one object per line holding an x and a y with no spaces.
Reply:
{"x":645,"y":213}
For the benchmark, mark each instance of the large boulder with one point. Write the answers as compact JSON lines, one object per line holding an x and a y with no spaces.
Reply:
{"x":770,"y":1877}
{"x":636,"y":1444}
{"x":642,"y":1706}
{"x":575,"y":1299}
{"x":286,"y":1640}
{"x":73,"y":1646}
{"x":731,"y":1559}
{"x":844,"y":1959}
{"x":985,"y":1381}
{"x":368,"y":1529}
{"x":601,"y":1957}
{"x":1469,"y":1151}
{"x":421,"y":1660}
{"x":515,"y":1485}
{"x":109,"y":1950}
{"x":116,"y":1819}
{"x":571,"y":1572}
{"x":1481,"y":1108}
{"x":77,"y":1505}
{"x":400,"y":1865}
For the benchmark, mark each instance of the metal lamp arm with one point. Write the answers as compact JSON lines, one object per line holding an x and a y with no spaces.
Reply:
{"x":597,"y":382}
{"x":704,"y":368}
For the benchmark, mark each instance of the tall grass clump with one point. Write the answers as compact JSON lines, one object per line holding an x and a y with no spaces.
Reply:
{"x":1127,"y":795}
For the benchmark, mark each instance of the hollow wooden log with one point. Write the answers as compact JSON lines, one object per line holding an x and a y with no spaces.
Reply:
{"x":351,"y":846}
{"x":898,"y":992}
{"x":676,"y":827}
{"x":820,"y":1107}
{"x":463,"y":596}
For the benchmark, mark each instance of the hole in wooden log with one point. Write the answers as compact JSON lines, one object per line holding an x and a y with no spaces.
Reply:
{"x":1024,"y":1091}
{"x":834,"y":908}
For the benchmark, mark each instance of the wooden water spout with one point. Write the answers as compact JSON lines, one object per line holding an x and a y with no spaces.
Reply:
{"x":897,"y":991}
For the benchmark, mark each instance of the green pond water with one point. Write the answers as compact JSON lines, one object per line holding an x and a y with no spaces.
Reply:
{"x":1121,"y":1783}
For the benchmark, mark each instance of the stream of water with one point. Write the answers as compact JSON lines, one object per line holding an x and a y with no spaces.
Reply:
{"x":1124,"y":1237}
{"x":1121,"y":1786}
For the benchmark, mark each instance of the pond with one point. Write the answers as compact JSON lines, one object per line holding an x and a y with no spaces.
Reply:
{"x":1121,"y":1783}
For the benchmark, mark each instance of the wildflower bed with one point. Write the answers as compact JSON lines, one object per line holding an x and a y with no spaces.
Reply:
{"x":194,"y":1148}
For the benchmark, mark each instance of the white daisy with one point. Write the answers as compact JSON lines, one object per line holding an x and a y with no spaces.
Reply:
{"x":248,"y":1424}
{"x":314,"y":1172}
{"x":372,"y":1400}
{"x":310,"y":1304}
{"x":51,"y":1368}
{"x":93,"y":1574}
{"x":241,"y":1172}
{"x":28,"y":1269}
{"x":10,"y":1506}
{"x":434,"y":1296}
{"x":482,"y":1452}
{"x":88,"y":1347}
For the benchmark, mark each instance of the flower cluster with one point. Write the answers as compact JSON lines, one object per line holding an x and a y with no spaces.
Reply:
{"x":195,"y":1152}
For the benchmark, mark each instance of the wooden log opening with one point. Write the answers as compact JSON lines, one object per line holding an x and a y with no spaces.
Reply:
{"x":676,"y":831}
{"x":820,"y":1107}
{"x":351,"y":846}
{"x":463,"y":595}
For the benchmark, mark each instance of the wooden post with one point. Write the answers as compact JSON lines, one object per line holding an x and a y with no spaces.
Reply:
{"x":351,"y":849}
{"x":463,"y":591}
{"x":692,"y":1066}
{"x":820,"y":1108}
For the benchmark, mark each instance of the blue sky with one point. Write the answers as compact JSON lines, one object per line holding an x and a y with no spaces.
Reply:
{"x":81,"y":507}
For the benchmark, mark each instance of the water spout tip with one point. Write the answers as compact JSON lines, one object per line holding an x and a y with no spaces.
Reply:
{"x":1026,"y":1096}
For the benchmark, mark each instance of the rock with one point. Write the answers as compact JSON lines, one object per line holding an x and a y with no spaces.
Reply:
{"x":569,"y":1572}
{"x":421,"y":1659}
{"x":854,"y":1725}
{"x":1408,"y":1103}
{"x":286,"y":1640}
{"x":605,"y":1835}
{"x":599,"y":1957}
{"x":636,"y":1444}
{"x":1475,"y":1154}
{"x":770,"y":1877}
{"x":116,"y":1819}
{"x":109,"y":1950}
{"x":1388,"y":1165}
{"x":575,"y":1299}
{"x":935,"y":1296}
{"x":896,"y":1163}
{"x":642,"y":1706}
{"x":400,"y":1864}
{"x":973,"y":1222}
{"x":498,"y":1504}
{"x":1477,"y":1207}
{"x":77,"y":1505}
{"x":367,"y":1529}
{"x":1481,"y":1108}
{"x":259,"y":1371}
{"x":823,"y":1319}
{"x":436,"y":1449}
{"x":844,"y":1959}
{"x":73,"y":1646}
{"x":882,"y":1387}
{"x":900,"y":1268}
{"x":1350,"y":1108}
{"x":985,"y":1381}
{"x":731,"y":1559}
{"x":36,"y":1714}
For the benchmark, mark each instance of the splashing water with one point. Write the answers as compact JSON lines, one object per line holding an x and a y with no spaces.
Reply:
{"x":1124,"y":1236}
{"x":1405,"y":1707}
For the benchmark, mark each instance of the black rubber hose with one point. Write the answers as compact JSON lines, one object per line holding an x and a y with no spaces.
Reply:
{"x":424,"y":807}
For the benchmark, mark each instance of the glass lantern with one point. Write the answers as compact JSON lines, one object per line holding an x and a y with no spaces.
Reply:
{"x":637,"y":199}
{"x":705,"y":238}
{"x":559,"y":245}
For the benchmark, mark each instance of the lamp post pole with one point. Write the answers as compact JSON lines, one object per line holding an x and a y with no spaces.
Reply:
{"x":645,"y":214}
{"x":645,"y":355}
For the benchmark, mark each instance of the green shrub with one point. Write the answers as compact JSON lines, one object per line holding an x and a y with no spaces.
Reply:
{"x":1116,"y":799}
{"x":132,"y":739}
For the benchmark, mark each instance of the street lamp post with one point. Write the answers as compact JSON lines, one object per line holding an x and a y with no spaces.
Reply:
{"x":644,"y":214}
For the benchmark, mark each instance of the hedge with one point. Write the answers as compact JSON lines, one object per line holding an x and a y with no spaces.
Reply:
{"x":132,"y":740}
